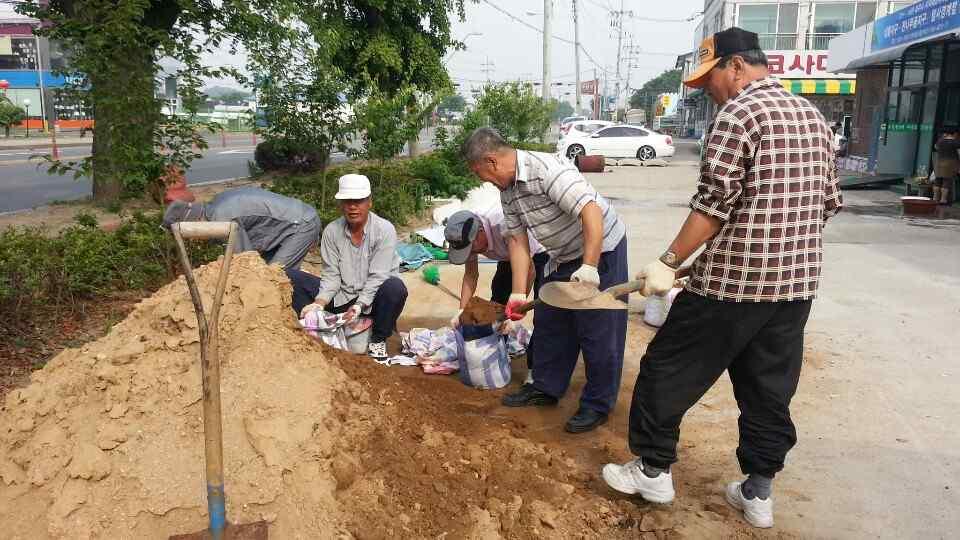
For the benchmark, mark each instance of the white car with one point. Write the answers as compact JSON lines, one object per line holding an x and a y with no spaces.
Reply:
{"x":579,"y":130}
{"x":621,"y":142}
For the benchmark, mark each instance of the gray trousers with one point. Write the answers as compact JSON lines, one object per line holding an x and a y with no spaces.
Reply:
{"x":293,"y":249}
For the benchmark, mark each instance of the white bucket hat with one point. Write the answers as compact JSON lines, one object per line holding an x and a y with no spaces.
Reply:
{"x":353,"y":186}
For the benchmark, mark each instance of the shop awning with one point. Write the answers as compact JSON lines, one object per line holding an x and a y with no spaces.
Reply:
{"x":820,"y":86}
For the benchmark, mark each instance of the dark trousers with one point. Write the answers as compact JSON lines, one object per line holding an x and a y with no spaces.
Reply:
{"x":561,"y":334}
{"x":760,"y":345}
{"x":502,"y":285}
{"x":386,"y":308}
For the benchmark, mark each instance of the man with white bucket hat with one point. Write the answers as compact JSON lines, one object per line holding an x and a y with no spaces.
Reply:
{"x":360,"y":267}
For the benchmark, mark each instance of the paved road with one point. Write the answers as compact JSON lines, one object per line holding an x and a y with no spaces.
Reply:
{"x":25,"y":184}
{"x":879,"y":450}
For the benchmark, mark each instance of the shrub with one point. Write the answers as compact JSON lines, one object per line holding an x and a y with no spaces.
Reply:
{"x":397,"y":195}
{"x":442,"y":181}
{"x":290,"y":155}
{"x":83,"y":262}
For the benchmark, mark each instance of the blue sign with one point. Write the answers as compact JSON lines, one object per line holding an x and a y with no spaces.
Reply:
{"x":28,"y":79}
{"x":915,"y":22}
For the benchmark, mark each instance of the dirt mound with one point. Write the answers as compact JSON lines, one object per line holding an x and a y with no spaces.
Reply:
{"x":107,"y":439}
{"x":106,"y":442}
{"x":481,"y":312}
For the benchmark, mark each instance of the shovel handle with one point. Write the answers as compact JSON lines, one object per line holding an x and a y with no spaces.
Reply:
{"x":204,"y":230}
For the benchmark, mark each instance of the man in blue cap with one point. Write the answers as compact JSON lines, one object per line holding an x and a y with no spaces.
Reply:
{"x":480,"y":232}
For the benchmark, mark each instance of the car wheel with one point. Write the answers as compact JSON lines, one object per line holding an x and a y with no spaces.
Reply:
{"x":646,"y":152}
{"x":574,"y":150}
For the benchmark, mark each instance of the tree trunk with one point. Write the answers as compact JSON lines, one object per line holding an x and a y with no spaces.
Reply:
{"x":126,"y":113}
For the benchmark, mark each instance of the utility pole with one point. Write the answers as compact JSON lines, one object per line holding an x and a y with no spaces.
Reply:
{"x":488,"y":68}
{"x":547,"y":37}
{"x":576,"y":57}
{"x":631,"y":56}
{"x":618,"y":19}
{"x":596,"y":95}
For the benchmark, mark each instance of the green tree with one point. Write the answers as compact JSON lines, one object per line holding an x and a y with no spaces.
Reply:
{"x":562,"y":110}
{"x":10,"y":114}
{"x":452,"y":103}
{"x":383,"y":59}
{"x":646,"y":97}
{"x":115,"y":47}
{"x":519,"y":114}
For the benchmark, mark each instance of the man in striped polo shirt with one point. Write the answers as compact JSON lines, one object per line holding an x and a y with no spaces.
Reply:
{"x":544,"y":195}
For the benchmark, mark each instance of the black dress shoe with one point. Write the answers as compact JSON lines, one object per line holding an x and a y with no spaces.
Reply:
{"x":585,"y":420}
{"x":528,"y":396}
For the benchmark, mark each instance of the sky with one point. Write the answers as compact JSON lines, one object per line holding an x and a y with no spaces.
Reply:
{"x":516,"y":51}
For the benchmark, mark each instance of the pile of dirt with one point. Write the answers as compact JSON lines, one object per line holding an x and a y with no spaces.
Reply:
{"x":107,"y":440}
{"x":481,"y":312}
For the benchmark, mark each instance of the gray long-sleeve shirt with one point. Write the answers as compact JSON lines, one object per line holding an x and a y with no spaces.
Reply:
{"x":265,"y":218}
{"x":351,"y":271}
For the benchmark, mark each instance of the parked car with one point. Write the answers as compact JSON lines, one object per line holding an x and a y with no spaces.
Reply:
{"x":565,"y":123}
{"x":578,"y":130}
{"x":621,"y":141}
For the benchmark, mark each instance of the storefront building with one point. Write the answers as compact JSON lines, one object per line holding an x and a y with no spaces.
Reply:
{"x":795,"y":36}
{"x":911,"y":60}
{"x":28,"y":64}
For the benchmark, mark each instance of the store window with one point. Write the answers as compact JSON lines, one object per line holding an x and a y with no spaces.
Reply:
{"x":831,"y":19}
{"x":775,"y":23}
{"x":866,"y":12}
{"x":24,"y":55}
{"x":952,"y":74}
{"x":914,"y":64}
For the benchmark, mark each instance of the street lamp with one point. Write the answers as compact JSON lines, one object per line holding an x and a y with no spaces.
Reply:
{"x":26,"y":105}
{"x":464,"y":41}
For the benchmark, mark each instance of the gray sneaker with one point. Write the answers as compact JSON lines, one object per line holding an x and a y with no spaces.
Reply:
{"x":377,"y":350}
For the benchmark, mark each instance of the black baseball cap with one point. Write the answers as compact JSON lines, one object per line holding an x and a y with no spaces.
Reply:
{"x":715,"y":47}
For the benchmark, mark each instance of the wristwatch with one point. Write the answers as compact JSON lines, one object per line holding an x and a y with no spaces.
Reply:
{"x":670,"y":259}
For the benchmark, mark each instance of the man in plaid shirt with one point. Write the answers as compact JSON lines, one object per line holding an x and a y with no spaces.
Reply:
{"x":767,"y":186}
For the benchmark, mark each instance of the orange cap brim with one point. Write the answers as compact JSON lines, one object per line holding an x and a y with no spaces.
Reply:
{"x":699,"y":77}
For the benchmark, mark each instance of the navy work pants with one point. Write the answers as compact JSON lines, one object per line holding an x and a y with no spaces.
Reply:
{"x":387,"y":303}
{"x":560,"y":335}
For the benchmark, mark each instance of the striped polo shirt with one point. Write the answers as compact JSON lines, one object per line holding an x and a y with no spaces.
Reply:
{"x":546,"y":200}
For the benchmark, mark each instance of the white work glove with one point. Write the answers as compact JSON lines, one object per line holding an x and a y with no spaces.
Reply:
{"x":586,"y":274}
{"x":310,"y":308}
{"x":657,"y":277}
{"x":455,"y":321}
{"x":353,"y":312}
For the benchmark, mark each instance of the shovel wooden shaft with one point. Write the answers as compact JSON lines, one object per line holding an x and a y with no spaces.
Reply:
{"x":210,"y":368}
{"x":205,"y":230}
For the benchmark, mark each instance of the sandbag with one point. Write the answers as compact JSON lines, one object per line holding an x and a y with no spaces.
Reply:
{"x":486,"y":363}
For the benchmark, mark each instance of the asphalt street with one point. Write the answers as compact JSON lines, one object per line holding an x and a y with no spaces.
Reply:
{"x":24,"y":182}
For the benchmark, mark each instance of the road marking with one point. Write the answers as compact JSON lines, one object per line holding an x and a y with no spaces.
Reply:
{"x":237,"y":151}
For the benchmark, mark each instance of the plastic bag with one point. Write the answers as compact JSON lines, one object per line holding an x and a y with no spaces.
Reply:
{"x":486,"y":363}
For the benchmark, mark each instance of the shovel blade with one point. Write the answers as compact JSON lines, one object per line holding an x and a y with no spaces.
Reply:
{"x":572,"y":295}
{"x":245,"y":531}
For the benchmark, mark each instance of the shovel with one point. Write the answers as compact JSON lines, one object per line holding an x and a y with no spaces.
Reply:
{"x":576,"y":295}
{"x":209,"y":330}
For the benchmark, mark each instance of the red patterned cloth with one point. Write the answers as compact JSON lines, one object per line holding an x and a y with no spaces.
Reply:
{"x":769,"y":173}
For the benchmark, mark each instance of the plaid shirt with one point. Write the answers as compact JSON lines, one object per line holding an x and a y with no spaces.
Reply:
{"x":769,"y":174}
{"x":546,"y":200}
